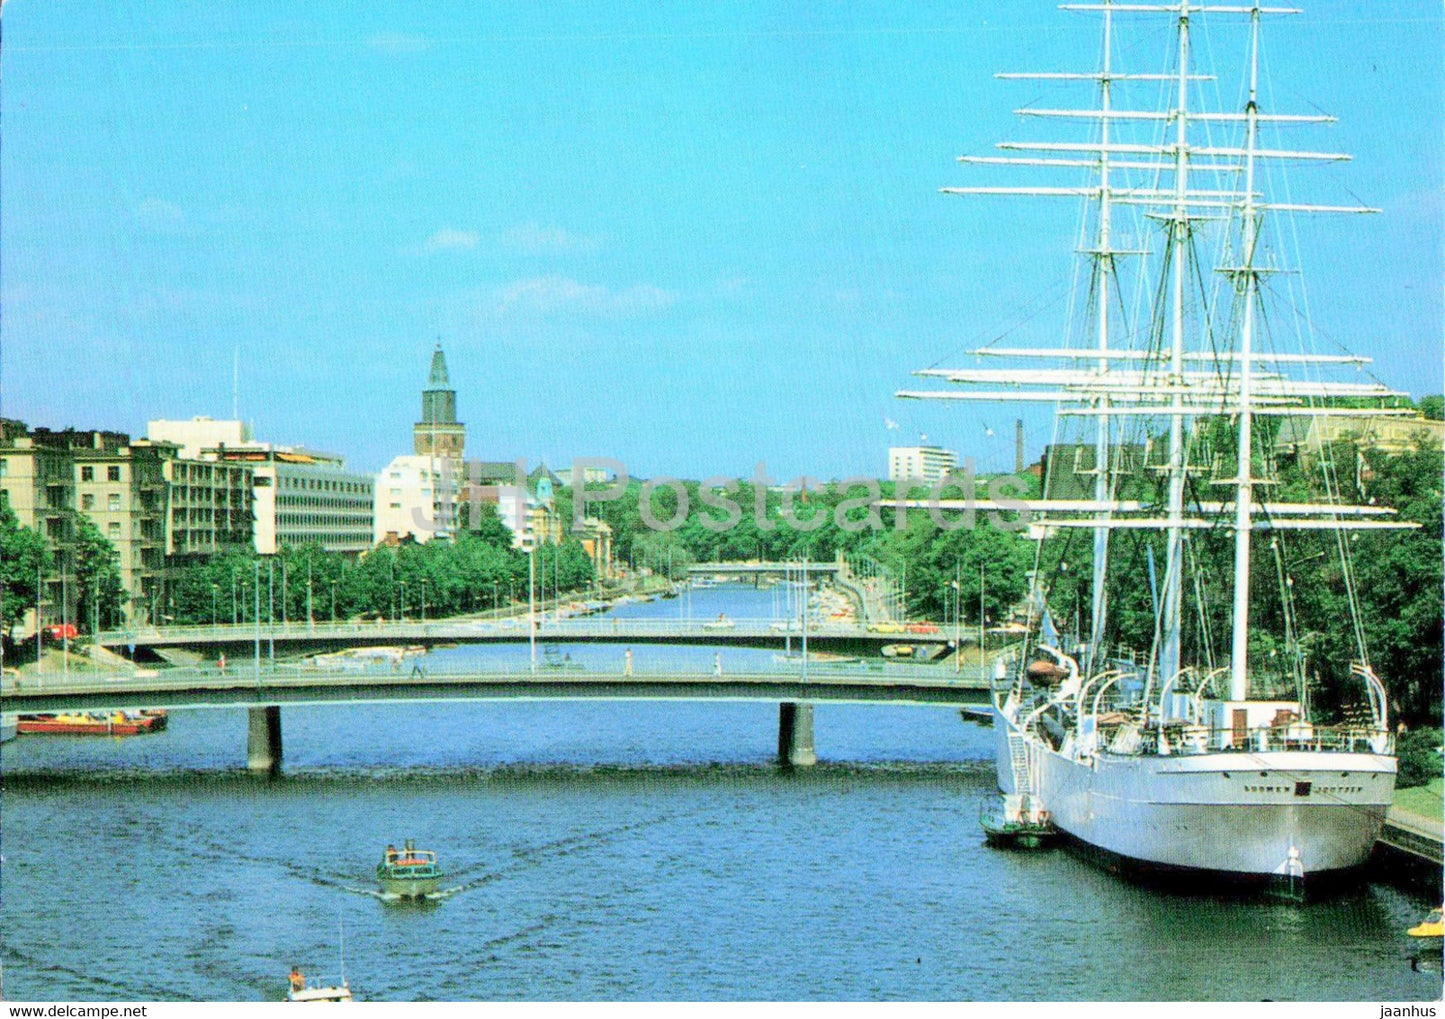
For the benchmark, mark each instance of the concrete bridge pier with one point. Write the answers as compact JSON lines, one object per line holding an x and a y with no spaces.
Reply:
{"x":263,"y":741}
{"x":795,"y":735}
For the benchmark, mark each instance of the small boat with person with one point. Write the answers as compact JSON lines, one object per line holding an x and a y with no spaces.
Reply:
{"x":409,"y":872}
{"x":299,"y":991}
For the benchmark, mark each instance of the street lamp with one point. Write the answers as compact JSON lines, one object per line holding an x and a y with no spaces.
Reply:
{"x":271,"y":613}
{"x":957,"y":621}
{"x":214,"y":589}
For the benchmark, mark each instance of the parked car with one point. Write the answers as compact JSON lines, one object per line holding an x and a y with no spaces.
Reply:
{"x":62,"y":631}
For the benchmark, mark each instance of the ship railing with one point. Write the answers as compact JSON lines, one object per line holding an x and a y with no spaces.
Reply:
{"x":1190,"y":738}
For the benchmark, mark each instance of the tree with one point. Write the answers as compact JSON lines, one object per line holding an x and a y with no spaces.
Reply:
{"x":96,"y":566}
{"x":23,"y":556}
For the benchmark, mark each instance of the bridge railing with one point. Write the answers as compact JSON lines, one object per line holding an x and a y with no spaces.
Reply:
{"x":550,"y":627}
{"x":413,"y":669}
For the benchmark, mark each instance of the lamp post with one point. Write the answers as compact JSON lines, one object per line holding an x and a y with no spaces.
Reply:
{"x":403,"y":601}
{"x":981,"y":617}
{"x":532,"y":603}
{"x":215,"y":588}
{"x":271,"y":614}
{"x":285,"y":619}
{"x":333,"y":602}
{"x":235,"y":619}
{"x":805,"y":619}
{"x":957,"y":617}
{"x":64,"y":620}
{"x":256,"y":618}
{"x":39,"y":620}
{"x":310,"y":619}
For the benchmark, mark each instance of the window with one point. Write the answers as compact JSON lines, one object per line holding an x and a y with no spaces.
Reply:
{"x":112,"y":474}
{"x":112,"y":501}
{"x":87,"y":501}
{"x":87,"y":474}
{"x":113,"y":529}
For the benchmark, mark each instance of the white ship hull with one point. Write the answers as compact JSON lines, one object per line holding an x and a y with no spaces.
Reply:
{"x":1234,"y":813}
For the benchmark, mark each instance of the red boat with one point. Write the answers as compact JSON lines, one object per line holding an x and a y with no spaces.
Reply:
{"x":114,"y":723}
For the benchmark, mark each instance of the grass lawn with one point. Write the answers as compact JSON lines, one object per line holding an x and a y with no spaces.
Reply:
{"x":1423,"y":799}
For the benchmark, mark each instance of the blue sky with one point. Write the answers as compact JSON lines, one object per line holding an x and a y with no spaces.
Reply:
{"x":688,"y":237}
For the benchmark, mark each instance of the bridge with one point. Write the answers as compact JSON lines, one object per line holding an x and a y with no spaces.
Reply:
{"x":264,"y":691}
{"x":872,"y":604}
{"x":764,"y":569}
{"x":304,"y":637}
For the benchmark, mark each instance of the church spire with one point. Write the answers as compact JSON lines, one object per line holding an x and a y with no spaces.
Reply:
{"x":438,"y":377}
{"x":439,"y":433}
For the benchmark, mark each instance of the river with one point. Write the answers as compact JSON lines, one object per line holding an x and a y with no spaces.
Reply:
{"x":604,"y":850}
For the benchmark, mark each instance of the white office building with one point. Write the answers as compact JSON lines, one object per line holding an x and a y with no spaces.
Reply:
{"x":925,"y":463}
{"x":301,"y":496}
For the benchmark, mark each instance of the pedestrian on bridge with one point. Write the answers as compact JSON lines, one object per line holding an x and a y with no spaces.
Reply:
{"x":627,"y":663}
{"x":717,"y":664}
{"x":221,"y":663}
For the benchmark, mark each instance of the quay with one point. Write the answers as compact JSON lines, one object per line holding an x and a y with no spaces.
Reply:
{"x":1413,"y":837}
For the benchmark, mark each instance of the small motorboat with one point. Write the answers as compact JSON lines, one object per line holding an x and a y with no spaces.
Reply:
{"x":409,"y":872}
{"x":722,"y":622}
{"x":300,"y":991}
{"x":333,"y":993}
{"x":1022,"y":824}
{"x":1431,"y":933}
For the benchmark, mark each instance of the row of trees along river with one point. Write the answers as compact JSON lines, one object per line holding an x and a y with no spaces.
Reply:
{"x":1396,"y":574}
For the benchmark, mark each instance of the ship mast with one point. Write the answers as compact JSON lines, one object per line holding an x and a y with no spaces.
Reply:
{"x":1179,"y":235}
{"x":1171,"y":378}
{"x":1244,"y":490}
{"x":1103,"y":268}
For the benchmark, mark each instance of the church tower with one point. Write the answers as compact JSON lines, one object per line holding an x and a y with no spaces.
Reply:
{"x":439,"y":433}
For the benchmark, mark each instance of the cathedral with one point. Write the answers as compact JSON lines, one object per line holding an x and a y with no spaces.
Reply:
{"x":439,"y":433}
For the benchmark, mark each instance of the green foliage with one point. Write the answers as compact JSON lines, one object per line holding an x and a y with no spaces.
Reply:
{"x":1433,"y":407}
{"x":22,"y":556}
{"x":96,"y":565}
{"x":476,"y":570}
{"x":818,"y":524}
{"x":1419,"y":760}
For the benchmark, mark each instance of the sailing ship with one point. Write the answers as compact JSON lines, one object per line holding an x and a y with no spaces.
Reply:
{"x":1162,"y":761}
